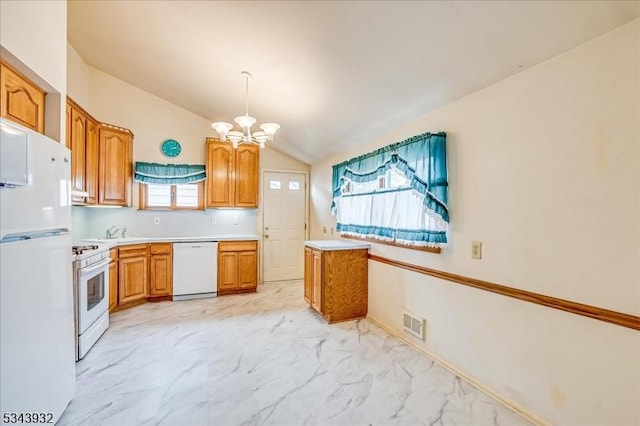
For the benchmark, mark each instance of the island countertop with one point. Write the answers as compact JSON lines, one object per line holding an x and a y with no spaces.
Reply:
{"x":336,"y":245}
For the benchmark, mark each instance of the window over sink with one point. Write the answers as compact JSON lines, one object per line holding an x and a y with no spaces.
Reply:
{"x":170,"y":186}
{"x":189,"y":196}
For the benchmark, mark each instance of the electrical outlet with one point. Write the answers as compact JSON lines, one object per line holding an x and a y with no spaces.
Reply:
{"x":156,"y":220}
{"x":213,"y":220}
{"x":476,"y":250}
{"x":236,"y":220}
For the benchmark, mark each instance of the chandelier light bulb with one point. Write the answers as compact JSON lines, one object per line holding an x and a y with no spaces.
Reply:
{"x":222,"y":128}
{"x":245,"y":122}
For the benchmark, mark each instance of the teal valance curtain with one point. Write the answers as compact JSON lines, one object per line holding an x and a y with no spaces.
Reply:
{"x":396,"y":193}
{"x":168,"y":174}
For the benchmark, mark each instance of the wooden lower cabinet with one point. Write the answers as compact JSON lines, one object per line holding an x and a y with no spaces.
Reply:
{"x":113,"y":279}
{"x":160,"y":269}
{"x":140,"y":273}
{"x":336,"y":283}
{"x":132,"y":273}
{"x":308,"y":275}
{"x":237,"y":267}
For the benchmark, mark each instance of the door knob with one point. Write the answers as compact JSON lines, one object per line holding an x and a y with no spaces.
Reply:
{"x":266,"y":235}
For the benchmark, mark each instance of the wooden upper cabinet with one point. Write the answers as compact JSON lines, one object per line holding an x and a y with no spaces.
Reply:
{"x":82,"y":140}
{"x":78,"y":145}
{"x":220,"y":164}
{"x":100,"y":159}
{"x":68,"y":126}
{"x":232,"y":175}
{"x":91,"y":162}
{"x":22,"y":101}
{"x":247,"y":175}
{"x":115,"y":147}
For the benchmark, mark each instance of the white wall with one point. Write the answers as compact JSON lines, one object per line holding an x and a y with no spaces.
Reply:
{"x":153,"y":120}
{"x":77,"y":77}
{"x":544,"y":170}
{"x":33,"y":37}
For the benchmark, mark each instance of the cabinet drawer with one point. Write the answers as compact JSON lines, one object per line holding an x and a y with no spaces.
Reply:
{"x":160,"y":248}
{"x":238,"y":246}
{"x":132,"y":251}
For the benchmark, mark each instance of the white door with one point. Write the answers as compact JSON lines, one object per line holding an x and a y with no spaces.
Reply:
{"x":284,"y":225}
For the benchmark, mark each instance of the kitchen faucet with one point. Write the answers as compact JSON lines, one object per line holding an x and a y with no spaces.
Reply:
{"x":111,"y":232}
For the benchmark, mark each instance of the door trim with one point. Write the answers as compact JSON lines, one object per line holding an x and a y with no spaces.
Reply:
{"x":261,"y":215}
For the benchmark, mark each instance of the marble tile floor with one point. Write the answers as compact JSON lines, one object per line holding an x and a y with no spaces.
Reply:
{"x":264,"y":359}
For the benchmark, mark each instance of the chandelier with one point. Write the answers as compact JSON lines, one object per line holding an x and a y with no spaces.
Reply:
{"x":245,"y":122}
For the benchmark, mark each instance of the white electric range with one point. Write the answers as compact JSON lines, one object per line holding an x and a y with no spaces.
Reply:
{"x":91,"y":294}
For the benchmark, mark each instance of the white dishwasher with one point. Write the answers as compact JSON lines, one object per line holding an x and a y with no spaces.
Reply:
{"x":195,"y":270}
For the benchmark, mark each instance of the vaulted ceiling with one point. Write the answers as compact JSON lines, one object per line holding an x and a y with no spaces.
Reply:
{"x":333,"y":74}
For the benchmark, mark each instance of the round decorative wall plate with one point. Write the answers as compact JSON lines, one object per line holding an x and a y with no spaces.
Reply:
{"x":170,"y":148}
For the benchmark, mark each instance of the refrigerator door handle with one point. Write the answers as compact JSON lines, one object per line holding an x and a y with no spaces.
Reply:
{"x":19,"y":236}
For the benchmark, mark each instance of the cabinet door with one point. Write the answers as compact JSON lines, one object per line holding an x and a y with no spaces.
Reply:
{"x":21,"y":101}
{"x":227,"y":271}
{"x":114,"y":167}
{"x":220,"y":174}
{"x":91,"y":162}
{"x":113,"y":281}
{"x":248,"y":269}
{"x":78,"y":140}
{"x":160,"y":272}
{"x":316,"y":284}
{"x":132,"y":277}
{"x":247,"y":176}
{"x":68,"y":127}
{"x":308,"y":275}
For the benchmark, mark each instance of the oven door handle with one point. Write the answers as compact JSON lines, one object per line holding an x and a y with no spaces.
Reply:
{"x":99,"y":265}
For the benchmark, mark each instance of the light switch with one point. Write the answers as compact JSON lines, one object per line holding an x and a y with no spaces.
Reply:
{"x":476,"y":250}
{"x":156,"y":220}
{"x":236,"y":220}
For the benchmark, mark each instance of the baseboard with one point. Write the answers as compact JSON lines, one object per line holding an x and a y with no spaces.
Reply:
{"x":526,"y":414}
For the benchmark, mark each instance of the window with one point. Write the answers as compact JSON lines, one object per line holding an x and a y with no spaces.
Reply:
{"x":188,"y":196}
{"x":396,"y":194}
{"x":294,"y":185}
{"x":275,"y":184}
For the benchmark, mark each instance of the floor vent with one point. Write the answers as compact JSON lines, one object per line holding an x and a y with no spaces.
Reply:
{"x":413,"y":324}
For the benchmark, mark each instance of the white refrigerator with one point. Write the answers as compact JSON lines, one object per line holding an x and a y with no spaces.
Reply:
{"x":37,"y":335}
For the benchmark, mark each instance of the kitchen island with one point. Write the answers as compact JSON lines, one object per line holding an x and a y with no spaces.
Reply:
{"x":336,"y":278}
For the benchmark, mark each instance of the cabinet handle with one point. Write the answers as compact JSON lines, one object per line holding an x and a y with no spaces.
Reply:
{"x":266,"y":235}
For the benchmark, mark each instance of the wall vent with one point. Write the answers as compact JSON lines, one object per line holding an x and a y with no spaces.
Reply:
{"x":413,"y":324}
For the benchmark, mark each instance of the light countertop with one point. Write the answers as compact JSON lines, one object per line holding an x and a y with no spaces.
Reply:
{"x":337,"y":245}
{"x":114,"y":242}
